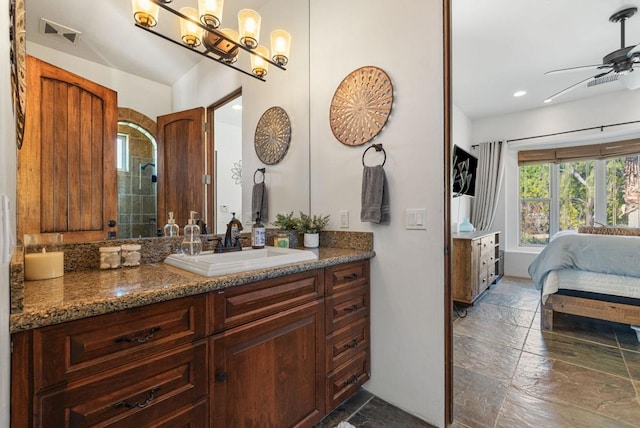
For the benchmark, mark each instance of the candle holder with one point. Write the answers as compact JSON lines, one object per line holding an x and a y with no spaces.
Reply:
{"x":43,"y":258}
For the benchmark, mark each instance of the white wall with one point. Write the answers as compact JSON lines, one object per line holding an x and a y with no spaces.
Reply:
{"x":228,"y":152}
{"x":618,"y":107}
{"x":407,"y":277}
{"x":208,"y":82}
{"x":148,"y":97}
{"x":460,"y":136}
{"x":7,"y":187}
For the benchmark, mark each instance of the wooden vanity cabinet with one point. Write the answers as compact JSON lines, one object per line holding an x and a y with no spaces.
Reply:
{"x":276,"y":353}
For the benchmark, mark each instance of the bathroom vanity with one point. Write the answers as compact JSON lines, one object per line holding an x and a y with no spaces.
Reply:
{"x":279,"y":347}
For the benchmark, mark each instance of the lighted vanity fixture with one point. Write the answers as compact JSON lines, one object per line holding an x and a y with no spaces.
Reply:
{"x":216,"y":264}
{"x":199,"y":29}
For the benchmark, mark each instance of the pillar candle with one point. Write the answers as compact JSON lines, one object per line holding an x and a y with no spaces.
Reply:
{"x":43,"y":265}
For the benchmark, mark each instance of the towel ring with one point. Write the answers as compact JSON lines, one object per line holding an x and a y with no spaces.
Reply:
{"x":378,"y":148}
{"x":257,"y":171}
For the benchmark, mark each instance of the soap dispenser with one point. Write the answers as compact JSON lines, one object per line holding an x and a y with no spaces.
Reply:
{"x":171,"y":228}
{"x":257,"y":233}
{"x":192,"y":244}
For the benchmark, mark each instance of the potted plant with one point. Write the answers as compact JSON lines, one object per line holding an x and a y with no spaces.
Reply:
{"x":310,"y":226}
{"x":287,"y":224}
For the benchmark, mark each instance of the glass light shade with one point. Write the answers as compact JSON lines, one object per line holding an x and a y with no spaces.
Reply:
{"x":259,"y":66}
{"x":145,"y":12}
{"x":280,"y":46}
{"x":190,"y":32}
{"x":249,"y":26}
{"x":211,"y":12}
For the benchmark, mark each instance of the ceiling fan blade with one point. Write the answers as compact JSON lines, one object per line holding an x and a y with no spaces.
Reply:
{"x":574,"y":86}
{"x":580,"y":68}
{"x":634,"y":51}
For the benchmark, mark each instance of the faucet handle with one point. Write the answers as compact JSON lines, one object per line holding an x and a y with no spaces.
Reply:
{"x":238,"y":242}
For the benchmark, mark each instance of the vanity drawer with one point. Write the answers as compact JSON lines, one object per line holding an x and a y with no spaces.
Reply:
{"x":138,"y":395}
{"x":342,"y":277}
{"x":346,"y":343}
{"x":239,"y":305}
{"x":347,"y":379}
{"x":79,"y":348}
{"x":344,"y":308}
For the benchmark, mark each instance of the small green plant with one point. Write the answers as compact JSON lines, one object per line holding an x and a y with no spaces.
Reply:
{"x":311,"y":224}
{"x":286,"y":221}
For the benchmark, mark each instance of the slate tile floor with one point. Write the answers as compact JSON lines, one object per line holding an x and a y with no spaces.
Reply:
{"x":508,"y":373}
{"x":365,"y":410}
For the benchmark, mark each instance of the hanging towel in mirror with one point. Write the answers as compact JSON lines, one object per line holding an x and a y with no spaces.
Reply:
{"x":375,"y":195}
{"x":259,"y":202}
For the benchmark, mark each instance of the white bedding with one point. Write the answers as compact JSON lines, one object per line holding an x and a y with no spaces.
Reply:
{"x":594,"y":282}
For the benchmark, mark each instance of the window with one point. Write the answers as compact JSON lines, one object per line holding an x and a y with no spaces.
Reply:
{"x":565,"y":195}
{"x":122,"y":152}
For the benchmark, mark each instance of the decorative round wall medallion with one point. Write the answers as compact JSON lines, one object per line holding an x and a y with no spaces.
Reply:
{"x":273,"y":134}
{"x":361,"y":106}
{"x":18,"y":58}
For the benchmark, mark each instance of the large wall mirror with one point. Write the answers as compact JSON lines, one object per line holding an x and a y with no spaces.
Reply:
{"x":152,"y":77}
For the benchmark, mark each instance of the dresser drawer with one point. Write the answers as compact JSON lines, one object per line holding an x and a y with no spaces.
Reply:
{"x":239,"y":305}
{"x":344,"y":308}
{"x":139,"y":395}
{"x":487,"y":243}
{"x":342,"y":277}
{"x":189,"y":417}
{"x":346,"y":343}
{"x":347,"y":379}
{"x":79,"y":348}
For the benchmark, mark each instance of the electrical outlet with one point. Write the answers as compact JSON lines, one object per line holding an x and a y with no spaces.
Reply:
{"x":344,"y":219}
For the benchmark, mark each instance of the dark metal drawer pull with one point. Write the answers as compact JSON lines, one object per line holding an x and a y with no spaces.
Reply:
{"x":352,"y":380}
{"x":352,"y":276}
{"x":352,"y":344}
{"x":137,"y":339}
{"x":144,"y":404}
{"x":352,"y":308}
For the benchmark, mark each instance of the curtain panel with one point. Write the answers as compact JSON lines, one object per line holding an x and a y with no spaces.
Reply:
{"x":488,"y":183}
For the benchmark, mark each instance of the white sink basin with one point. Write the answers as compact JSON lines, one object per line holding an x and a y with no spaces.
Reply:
{"x":209,"y":263}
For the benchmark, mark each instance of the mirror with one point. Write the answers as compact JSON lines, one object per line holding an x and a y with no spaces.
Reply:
{"x":154,"y":77}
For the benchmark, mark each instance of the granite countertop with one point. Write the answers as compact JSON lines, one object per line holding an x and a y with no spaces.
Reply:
{"x":87,"y":293}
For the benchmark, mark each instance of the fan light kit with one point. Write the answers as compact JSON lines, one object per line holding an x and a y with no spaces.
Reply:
{"x":617,"y":65}
{"x":199,"y":27}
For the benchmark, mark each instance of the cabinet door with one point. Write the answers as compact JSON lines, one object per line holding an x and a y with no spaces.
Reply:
{"x":67,"y":165}
{"x":270,"y":373}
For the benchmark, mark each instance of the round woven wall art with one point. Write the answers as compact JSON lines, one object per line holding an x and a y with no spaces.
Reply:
{"x":273,"y":134}
{"x":361,"y":106}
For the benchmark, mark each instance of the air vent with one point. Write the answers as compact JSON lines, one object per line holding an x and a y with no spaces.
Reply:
{"x":600,"y":80}
{"x":52,"y":29}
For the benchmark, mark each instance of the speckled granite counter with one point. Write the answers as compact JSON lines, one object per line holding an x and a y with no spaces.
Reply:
{"x":87,"y":293}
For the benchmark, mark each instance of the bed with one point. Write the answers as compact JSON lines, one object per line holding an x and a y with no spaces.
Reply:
{"x":596,"y":275}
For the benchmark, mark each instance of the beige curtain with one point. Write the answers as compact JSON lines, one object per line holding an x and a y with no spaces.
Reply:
{"x":488,"y":183}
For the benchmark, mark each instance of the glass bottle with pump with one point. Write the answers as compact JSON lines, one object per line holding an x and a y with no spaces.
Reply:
{"x":257,"y":233}
{"x":192,"y":244}
{"x":171,"y":228}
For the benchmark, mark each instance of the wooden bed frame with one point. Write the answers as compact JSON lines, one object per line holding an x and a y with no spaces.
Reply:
{"x":592,"y":308}
{"x":616,"y":312}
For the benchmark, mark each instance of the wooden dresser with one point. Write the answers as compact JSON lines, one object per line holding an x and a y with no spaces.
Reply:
{"x":475,"y":264}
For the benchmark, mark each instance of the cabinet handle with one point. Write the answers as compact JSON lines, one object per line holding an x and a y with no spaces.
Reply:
{"x":137,"y":339}
{"x":145,"y":403}
{"x":221,"y":377}
{"x":352,"y":276}
{"x":352,"y":380}
{"x":352,"y":344}
{"x":352,"y":308}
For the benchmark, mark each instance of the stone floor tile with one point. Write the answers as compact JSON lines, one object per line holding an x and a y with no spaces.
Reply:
{"x":377,"y":413}
{"x":559,"y":382}
{"x":522,"y":410}
{"x":502,"y":333}
{"x":627,"y":337}
{"x":476,"y":398}
{"x":486,"y":358}
{"x":575,"y":351}
{"x":585,"y":328}
{"x":632,"y":360}
{"x":487,"y":311}
{"x":345,"y":410}
{"x":524,"y":301}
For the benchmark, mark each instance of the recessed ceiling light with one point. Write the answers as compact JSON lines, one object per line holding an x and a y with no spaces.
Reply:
{"x":519,"y":93}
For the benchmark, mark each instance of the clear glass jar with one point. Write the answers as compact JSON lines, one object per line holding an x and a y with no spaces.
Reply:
{"x":109,"y":257}
{"x":131,"y":255}
{"x":281,"y":240}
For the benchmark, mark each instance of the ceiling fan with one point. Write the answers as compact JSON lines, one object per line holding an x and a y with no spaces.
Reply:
{"x":617,"y":65}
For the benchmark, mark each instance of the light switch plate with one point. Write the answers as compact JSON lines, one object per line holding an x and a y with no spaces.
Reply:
{"x":416,"y":218}
{"x":344,"y":219}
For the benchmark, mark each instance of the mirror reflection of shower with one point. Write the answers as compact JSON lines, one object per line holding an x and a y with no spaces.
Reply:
{"x":137,"y":178}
